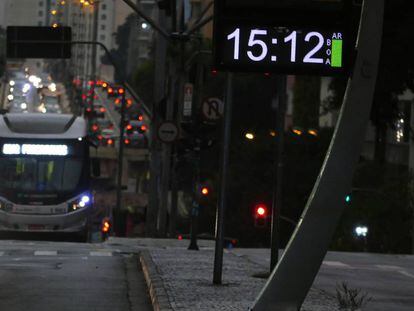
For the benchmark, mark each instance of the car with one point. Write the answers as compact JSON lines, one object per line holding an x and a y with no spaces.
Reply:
{"x":99,"y":111}
{"x":107,"y":138}
{"x":136,"y":140}
{"x":135,"y":126}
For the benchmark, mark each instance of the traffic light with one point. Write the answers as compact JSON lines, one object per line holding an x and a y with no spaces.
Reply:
{"x":106,"y":227}
{"x":204,"y":191}
{"x":348,"y":199}
{"x":261,"y":212}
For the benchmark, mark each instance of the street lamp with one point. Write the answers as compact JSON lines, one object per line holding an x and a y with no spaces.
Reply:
{"x":249,"y":136}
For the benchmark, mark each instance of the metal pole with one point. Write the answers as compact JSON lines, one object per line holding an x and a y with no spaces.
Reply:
{"x":278,"y":171}
{"x":120,"y":154}
{"x":196,"y":206}
{"x":218,"y":254}
{"x":94,"y":50}
{"x":155,"y":148}
{"x":174,"y":195}
{"x":293,"y":276}
{"x":166,"y":160}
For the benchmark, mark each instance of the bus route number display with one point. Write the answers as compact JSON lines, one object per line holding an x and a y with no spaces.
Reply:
{"x":286,"y":50}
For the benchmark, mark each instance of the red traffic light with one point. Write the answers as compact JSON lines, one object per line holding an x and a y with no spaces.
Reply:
{"x":121,"y":91}
{"x":261,"y":210}
{"x":106,"y":225}
{"x":205,"y":191}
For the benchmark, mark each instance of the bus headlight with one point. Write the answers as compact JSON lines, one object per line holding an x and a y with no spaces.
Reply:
{"x":5,"y":206}
{"x":80,"y":203}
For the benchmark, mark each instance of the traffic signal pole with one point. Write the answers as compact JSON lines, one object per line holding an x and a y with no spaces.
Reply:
{"x":290,"y":281}
{"x":278,"y":171}
{"x":120,"y":153}
{"x":221,"y":208}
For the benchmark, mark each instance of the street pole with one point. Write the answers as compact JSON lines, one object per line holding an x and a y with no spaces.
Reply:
{"x":278,"y":171}
{"x":94,"y":50}
{"x":174,"y":195}
{"x":155,"y":148}
{"x":120,"y":154}
{"x":166,"y":159}
{"x":195,"y":209}
{"x":221,"y":208}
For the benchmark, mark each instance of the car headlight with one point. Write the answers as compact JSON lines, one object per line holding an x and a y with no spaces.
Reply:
{"x":81,"y":202}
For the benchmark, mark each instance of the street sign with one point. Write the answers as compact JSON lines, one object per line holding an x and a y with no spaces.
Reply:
{"x":212,"y":108}
{"x":38,"y":42}
{"x":283,"y":38}
{"x":188,"y":100}
{"x":167,"y":132}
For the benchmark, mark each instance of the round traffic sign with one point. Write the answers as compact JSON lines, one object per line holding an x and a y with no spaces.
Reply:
{"x":213,"y":108}
{"x":167,"y":132}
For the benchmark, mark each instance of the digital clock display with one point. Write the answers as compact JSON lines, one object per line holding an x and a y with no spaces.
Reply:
{"x":291,"y":50}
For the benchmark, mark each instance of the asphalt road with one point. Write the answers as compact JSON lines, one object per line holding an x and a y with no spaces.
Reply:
{"x":37,"y":275}
{"x":387,"y":279}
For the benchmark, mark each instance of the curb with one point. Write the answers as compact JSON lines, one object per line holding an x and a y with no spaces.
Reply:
{"x":157,"y":292}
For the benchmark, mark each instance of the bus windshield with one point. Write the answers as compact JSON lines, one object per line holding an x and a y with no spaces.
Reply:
{"x":22,"y":175}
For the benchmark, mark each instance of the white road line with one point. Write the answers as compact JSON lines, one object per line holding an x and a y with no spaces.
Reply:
{"x":337,"y":264}
{"x":406,"y":274}
{"x":45,"y":253}
{"x":389,"y":268}
{"x":101,"y":254}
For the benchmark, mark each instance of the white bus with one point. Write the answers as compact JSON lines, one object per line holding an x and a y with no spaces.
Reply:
{"x":44,"y":174}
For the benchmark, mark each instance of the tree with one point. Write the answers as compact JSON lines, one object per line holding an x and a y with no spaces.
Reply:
{"x":143,"y":81}
{"x":120,"y":54}
{"x":306,"y":102}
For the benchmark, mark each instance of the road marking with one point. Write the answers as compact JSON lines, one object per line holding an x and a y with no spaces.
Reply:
{"x":389,"y":268}
{"x":406,"y":274}
{"x":101,"y":254}
{"x":45,"y":253}
{"x":337,"y":264}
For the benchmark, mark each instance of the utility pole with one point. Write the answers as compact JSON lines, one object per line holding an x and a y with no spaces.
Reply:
{"x":278,"y":170}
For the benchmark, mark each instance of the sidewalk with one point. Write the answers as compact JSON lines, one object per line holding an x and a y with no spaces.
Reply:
{"x":179,"y":279}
